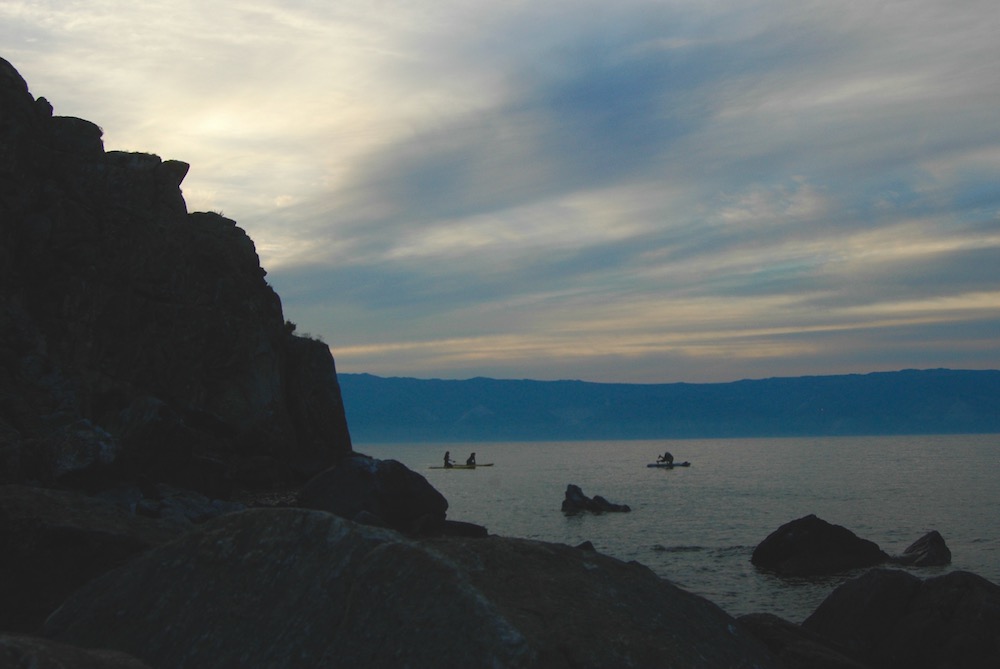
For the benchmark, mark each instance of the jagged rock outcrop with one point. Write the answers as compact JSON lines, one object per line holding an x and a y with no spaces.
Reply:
{"x":298,"y":588}
{"x":575,"y":502}
{"x":929,"y":550}
{"x":896,"y":620}
{"x":810,"y":546}
{"x":136,"y":339}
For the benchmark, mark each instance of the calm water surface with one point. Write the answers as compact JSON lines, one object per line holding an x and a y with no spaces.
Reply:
{"x":697,"y":526}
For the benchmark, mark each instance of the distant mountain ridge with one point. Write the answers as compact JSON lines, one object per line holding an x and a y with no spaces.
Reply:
{"x":935,"y":401}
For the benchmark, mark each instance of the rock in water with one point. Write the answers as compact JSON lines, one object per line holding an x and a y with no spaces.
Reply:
{"x":811,"y":546}
{"x":929,"y":550}
{"x":294,"y":588}
{"x":575,"y":501}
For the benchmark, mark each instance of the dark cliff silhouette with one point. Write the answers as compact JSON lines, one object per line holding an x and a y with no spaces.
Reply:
{"x":138,"y":340}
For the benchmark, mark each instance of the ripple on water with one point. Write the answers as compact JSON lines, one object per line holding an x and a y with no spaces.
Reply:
{"x":677,"y":549}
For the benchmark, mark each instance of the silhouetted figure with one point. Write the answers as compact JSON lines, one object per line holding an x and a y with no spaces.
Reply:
{"x":471,"y":460}
{"x":666,"y":458}
{"x":448,"y":462}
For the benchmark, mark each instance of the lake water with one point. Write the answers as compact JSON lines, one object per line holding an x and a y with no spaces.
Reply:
{"x":697,"y":526}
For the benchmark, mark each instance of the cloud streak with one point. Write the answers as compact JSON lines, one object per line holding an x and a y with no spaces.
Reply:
{"x":631,"y":192}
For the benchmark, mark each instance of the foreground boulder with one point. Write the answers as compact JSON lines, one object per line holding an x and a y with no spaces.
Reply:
{"x":898,"y":621}
{"x":54,"y":542}
{"x":796,"y":647}
{"x":377,"y":492}
{"x":811,"y":546}
{"x":295,"y":588}
{"x":575,"y":502}
{"x":25,"y":651}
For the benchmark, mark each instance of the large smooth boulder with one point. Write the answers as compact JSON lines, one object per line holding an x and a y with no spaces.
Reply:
{"x":899,"y":621}
{"x":296,"y":588}
{"x":579,"y":608}
{"x":810,"y":546}
{"x":54,"y":542}
{"x":374,"y":491}
{"x":20,"y":651}
{"x":575,"y":501}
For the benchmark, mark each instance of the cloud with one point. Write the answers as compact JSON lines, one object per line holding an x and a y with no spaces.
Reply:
{"x":638,"y":190}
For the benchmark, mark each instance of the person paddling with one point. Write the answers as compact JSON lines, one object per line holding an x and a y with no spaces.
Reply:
{"x":472,"y":460}
{"x":666,"y":458}
{"x":448,"y":462}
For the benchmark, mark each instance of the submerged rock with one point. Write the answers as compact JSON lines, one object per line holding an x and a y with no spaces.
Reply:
{"x":294,"y":588}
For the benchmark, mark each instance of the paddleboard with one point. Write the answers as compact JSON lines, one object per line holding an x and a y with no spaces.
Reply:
{"x":484,"y":464}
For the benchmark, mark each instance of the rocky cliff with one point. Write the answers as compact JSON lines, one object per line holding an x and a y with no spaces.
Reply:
{"x":139,"y":341}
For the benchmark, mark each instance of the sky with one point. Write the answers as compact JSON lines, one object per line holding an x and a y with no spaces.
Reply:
{"x":639,"y":192}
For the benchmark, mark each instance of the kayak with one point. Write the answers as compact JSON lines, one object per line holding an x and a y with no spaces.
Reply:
{"x":669,"y":465}
{"x":483,"y":464}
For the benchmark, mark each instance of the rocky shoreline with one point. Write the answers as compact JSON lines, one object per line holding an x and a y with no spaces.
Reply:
{"x":178,"y":486}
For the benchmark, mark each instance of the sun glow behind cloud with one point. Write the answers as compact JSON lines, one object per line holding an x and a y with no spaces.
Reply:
{"x":646,"y":191}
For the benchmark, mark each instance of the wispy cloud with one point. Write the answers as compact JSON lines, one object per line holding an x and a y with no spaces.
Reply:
{"x":646,"y":191}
